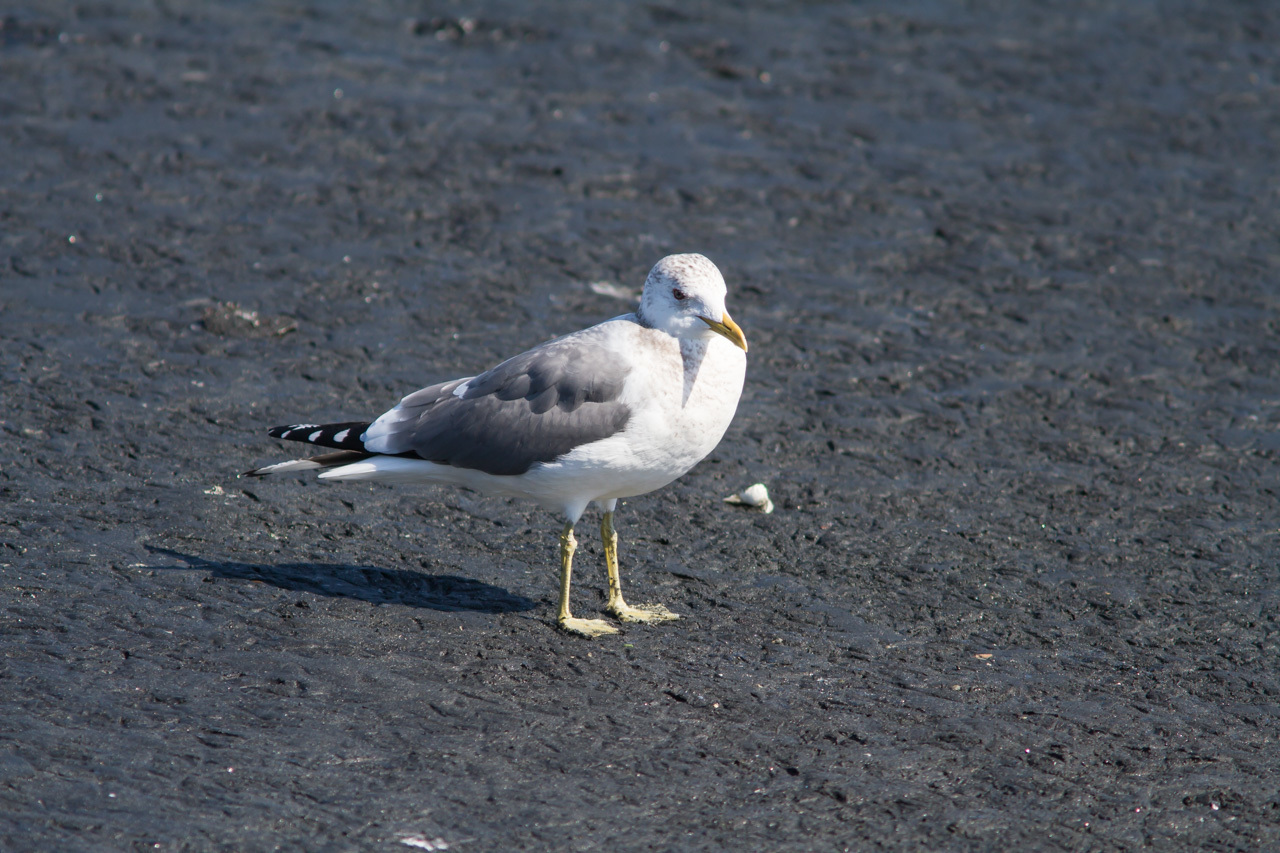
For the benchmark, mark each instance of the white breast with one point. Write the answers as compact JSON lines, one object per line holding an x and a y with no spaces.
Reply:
{"x":682,"y":397}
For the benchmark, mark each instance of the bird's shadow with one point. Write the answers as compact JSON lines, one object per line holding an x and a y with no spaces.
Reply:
{"x":447,"y":593}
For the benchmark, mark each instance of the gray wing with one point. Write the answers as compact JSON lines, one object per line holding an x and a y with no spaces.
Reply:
{"x":535,"y":407}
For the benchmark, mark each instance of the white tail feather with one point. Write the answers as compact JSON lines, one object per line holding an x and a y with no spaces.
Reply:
{"x":390,"y":469}
{"x":282,"y":467}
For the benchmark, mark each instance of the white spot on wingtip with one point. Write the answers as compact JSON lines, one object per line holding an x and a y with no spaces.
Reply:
{"x":461,"y":389}
{"x":342,"y":436}
{"x":315,"y":435}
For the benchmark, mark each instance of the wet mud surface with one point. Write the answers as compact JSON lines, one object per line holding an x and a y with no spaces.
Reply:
{"x":1008,"y":275}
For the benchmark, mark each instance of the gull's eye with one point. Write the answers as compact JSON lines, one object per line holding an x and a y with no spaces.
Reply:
{"x":679,"y":294}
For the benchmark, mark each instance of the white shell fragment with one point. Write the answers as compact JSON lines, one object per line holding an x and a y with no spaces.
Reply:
{"x":617,"y":291}
{"x":756,"y":496}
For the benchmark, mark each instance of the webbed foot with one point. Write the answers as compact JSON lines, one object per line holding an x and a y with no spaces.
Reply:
{"x":645,"y":613}
{"x":586,"y":627}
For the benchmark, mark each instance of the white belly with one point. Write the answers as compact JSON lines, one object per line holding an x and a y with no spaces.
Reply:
{"x":672,"y":428}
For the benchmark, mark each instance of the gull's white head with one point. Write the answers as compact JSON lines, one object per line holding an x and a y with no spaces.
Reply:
{"x":684,"y":297}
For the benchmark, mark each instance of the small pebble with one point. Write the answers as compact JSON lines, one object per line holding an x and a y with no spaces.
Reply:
{"x":756,"y":496}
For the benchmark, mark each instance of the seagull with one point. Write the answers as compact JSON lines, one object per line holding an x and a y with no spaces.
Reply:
{"x":612,"y":411}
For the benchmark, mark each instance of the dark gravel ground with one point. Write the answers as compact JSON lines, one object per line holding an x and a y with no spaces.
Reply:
{"x":1008,"y":274}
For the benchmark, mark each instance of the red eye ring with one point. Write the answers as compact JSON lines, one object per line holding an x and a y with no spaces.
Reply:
{"x":679,"y":295}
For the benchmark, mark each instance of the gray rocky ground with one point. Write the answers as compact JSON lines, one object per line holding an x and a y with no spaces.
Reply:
{"x":1008,"y":274}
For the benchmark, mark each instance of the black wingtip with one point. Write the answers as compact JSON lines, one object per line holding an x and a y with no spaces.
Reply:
{"x":343,"y":436}
{"x":283,"y":431}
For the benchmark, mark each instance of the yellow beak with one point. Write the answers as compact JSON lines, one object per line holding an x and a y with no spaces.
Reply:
{"x":728,"y":328}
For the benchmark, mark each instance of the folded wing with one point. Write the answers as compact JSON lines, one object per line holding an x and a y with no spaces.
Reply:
{"x":532,"y":408}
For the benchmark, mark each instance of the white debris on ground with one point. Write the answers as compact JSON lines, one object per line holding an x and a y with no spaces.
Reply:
{"x":617,"y":291}
{"x":754,"y":497}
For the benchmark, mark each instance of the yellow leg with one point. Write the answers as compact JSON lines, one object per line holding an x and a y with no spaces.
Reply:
{"x":617,"y":606}
{"x":585,"y":627}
